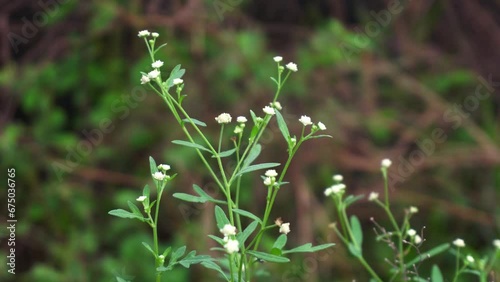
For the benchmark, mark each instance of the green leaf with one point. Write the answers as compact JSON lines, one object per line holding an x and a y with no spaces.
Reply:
{"x":212,"y":265}
{"x":248,"y":214}
{"x":176,"y":72}
{"x":195,"y":121}
{"x":189,"y":198}
{"x":149,"y":248}
{"x":177,"y":254}
{"x":349,"y":200}
{"x":201,"y":192}
{"x":282,"y":126}
{"x":436,"y":275}
{"x":308,"y":248}
{"x":167,"y":251}
{"x":123,"y":214}
{"x":145,"y":191}
{"x":225,"y":153}
{"x":217,"y":239}
{"x":257,"y":167}
{"x":192,"y":258}
{"x":433,"y":252}
{"x":192,"y":145}
{"x":159,"y":47}
{"x":252,"y":155}
{"x":357,"y":232}
{"x":135,"y":210}
{"x":275,"y":81}
{"x":243,"y":236}
{"x":354,"y":250}
{"x":220,"y":217}
{"x":268,"y":257}
{"x":152,"y":165}
{"x":319,"y":136}
{"x":280,"y":242}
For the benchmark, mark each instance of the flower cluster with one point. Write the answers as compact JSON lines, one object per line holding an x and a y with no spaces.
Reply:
{"x":306,"y":120}
{"x":239,"y":128}
{"x":223,"y":118}
{"x":231,"y":245}
{"x":284,"y":227}
{"x":270,"y":178}
{"x":160,"y":175}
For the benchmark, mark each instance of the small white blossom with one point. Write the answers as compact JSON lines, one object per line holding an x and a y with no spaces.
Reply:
{"x":411,"y":232}
{"x":470,"y":259}
{"x":177,"y":81}
{"x":459,"y":243}
{"x":271,"y":173}
{"x":373,"y":196}
{"x":292,"y":67}
{"x":338,"y":188}
{"x":159,"y":175}
{"x":386,"y":163}
{"x":268,"y":110}
{"x":496,"y":243}
{"x":145,"y":79}
{"x":321,"y":126}
{"x":338,"y":178}
{"x":417,"y":239}
{"x":268,"y":181}
{"x":164,"y":167}
{"x":223,"y":118}
{"x":158,"y":64}
{"x":232,"y":246}
{"x":277,"y":105}
{"x":413,"y":209}
{"x":278,"y":59}
{"x":155,"y":34}
{"x":154,"y":74}
{"x":328,"y":191}
{"x":238,"y":130}
{"x":305,"y":120}
{"x":141,"y":198}
{"x":285,"y":228}
{"x":228,"y":229}
{"x":241,"y":119}
{"x":143,"y":33}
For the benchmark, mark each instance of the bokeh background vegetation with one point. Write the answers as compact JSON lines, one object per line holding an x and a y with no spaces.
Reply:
{"x":381,"y":85}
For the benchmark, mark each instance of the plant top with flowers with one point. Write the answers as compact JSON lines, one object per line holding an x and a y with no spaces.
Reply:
{"x":240,"y":247}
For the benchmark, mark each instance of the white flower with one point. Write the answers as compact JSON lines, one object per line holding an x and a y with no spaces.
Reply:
{"x":155,"y":34}
{"x":232,"y":246}
{"x":321,"y":126}
{"x":154,"y":74}
{"x":177,"y":81}
{"x":271,"y":173}
{"x":470,"y":259}
{"x":143,"y":33}
{"x":144,"y":79}
{"x":496,"y":243}
{"x":159,"y":175}
{"x":285,"y":228}
{"x":373,"y":196}
{"x":241,"y":119}
{"x":238,"y":130}
{"x":386,"y":163}
{"x":277,"y":105}
{"x":305,"y":120}
{"x":268,"y":181}
{"x":164,"y":167}
{"x":278,"y":59}
{"x":158,"y":64}
{"x":337,"y":188}
{"x":223,"y":118}
{"x":259,"y":120}
{"x":338,"y":178}
{"x":411,"y":232}
{"x":141,"y":198}
{"x":268,"y":110}
{"x":413,"y":209}
{"x":417,"y":239}
{"x":459,"y":243}
{"x":328,"y":191}
{"x":228,"y":229}
{"x":292,"y":67}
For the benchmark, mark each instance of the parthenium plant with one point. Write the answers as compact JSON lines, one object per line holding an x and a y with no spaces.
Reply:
{"x":402,"y":239}
{"x":239,"y":243}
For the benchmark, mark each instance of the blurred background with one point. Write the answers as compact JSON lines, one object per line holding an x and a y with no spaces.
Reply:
{"x":414,"y":81}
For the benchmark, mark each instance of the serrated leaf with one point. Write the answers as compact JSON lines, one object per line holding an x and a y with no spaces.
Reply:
{"x":225,"y":153}
{"x":123,"y":214}
{"x":248,"y":214}
{"x":192,"y":145}
{"x":280,"y":242}
{"x":268,"y":257}
{"x":243,"y":236}
{"x":435,"y":251}
{"x":195,"y":121}
{"x":282,"y":126}
{"x":357,"y":232}
{"x":220,"y":217}
{"x":436,"y":275}
{"x":152,"y":165}
{"x":308,"y":248}
{"x":146,"y":245}
{"x":212,"y":265}
{"x":257,"y":167}
{"x":189,"y":198}
{"x":252,"y":155}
